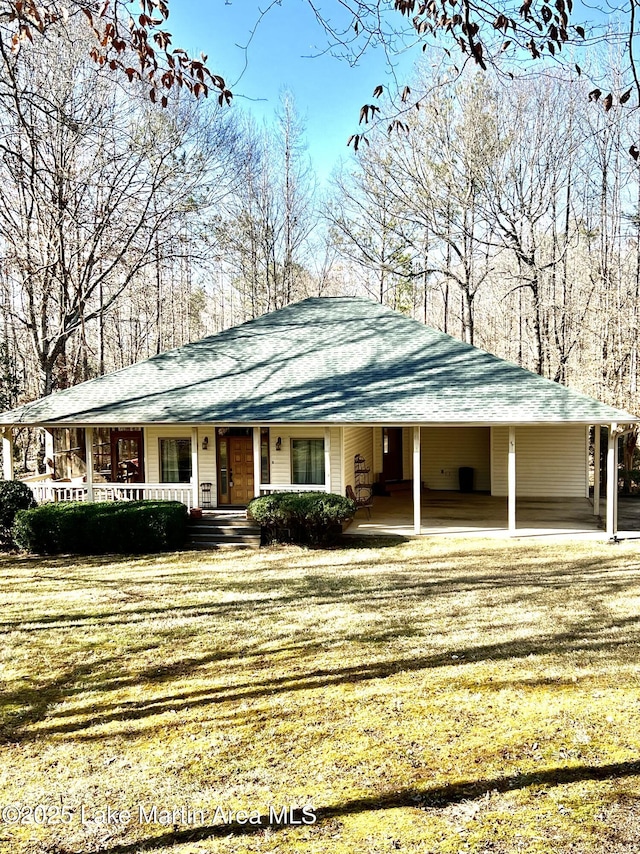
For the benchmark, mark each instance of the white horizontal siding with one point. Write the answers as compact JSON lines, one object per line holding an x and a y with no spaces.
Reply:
{"x":357,"y":440}
{"x":445,"y":449}
{"x":376,"y":454}
{"x":550,"y":461}
{"x":152,"y":436}
{"x":337,"y":476}
{"x":281,"y":460}
{"x":206,"y":459}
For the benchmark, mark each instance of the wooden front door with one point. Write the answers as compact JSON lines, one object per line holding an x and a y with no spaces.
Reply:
{"x":241,"y":469}
{"x":391,"y":453}
{"x":235,"y":470}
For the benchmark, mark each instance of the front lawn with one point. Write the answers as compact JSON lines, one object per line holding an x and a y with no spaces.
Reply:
{"x":431,"y":696}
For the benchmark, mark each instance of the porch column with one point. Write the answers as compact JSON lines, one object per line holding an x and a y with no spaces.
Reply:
{"x":596,"y":470}
{"x":511,"y":479}
{"x":88,"y":450}
{"x":257,"y":460}
{"x":7,"y":453}
{"x":195,"y":498}
{"x":145,"y":455}
{"x":587,"y":465}
{"x":417,"y":510}
{"x":612,"y":482}
{"x":48,"y":451}
{"x":327,"y":458}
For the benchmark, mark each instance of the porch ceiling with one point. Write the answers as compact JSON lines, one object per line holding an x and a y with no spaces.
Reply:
{"x":332,"y":360}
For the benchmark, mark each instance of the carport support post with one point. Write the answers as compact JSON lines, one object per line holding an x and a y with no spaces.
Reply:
{"x":88,"y":450}
{"x":7,"y":453}
{"x":417,"y":516}
{"x":612,"y":483}
{"x":596,"y":469}
{"x":511,"y":482}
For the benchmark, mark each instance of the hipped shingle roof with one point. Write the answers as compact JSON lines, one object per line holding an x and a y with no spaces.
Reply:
{"x":324,"y":360}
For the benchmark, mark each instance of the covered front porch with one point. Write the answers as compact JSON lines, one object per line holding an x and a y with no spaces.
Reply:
{"x":209,"y":466}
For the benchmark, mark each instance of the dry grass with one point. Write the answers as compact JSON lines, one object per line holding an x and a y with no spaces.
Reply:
{"x":431,"y":696}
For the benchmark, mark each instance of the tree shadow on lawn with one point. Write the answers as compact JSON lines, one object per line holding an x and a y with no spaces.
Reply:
{"x":324,"y":587}
{"x":414,"y":797}
{"x":582,"y":639}
{"x":34,"y":701}
{"x":586,"y":635}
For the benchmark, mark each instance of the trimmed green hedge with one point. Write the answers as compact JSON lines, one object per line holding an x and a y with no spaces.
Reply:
{"x":125,"y":527}
{"x":308,"y":518}
{"x":14,"y":496}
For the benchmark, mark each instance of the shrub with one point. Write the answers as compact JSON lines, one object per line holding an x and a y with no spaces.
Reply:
{"x":125,"y":527}
{"x":309,"y":518}
{"x":14,"y":495}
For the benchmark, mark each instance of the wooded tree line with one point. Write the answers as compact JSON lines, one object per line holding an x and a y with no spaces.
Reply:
{"x":507,"y":215}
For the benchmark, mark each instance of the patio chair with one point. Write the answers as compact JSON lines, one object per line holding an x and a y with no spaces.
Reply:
{"x":364,"y":502}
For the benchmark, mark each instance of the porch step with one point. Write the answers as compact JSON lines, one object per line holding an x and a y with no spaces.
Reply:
{"x":223,"y":532}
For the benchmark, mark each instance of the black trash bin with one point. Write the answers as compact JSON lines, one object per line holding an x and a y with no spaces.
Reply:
{"x":465,"y":477}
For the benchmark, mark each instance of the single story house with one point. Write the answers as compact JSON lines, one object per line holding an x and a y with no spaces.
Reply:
{"x":300,"y":398}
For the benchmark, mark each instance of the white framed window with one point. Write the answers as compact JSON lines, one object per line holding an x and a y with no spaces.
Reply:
{"x":307,"y":461}
{"x":175,"y":460}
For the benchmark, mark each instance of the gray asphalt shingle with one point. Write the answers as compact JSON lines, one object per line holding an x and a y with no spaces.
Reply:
{"x":322,"y":360}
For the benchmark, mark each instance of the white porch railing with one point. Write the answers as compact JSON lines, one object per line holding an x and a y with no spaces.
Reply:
{"x":49,"y":490}
{"x":55,"y":490}
{"x":268,"y":488}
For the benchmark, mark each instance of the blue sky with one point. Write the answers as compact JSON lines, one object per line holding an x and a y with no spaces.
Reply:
{"x":283,"y":54}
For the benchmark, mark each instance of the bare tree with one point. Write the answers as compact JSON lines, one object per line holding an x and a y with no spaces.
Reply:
{"x":267,"y":224}
{"x":88,"y":179}
{"x":365,"y":221}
